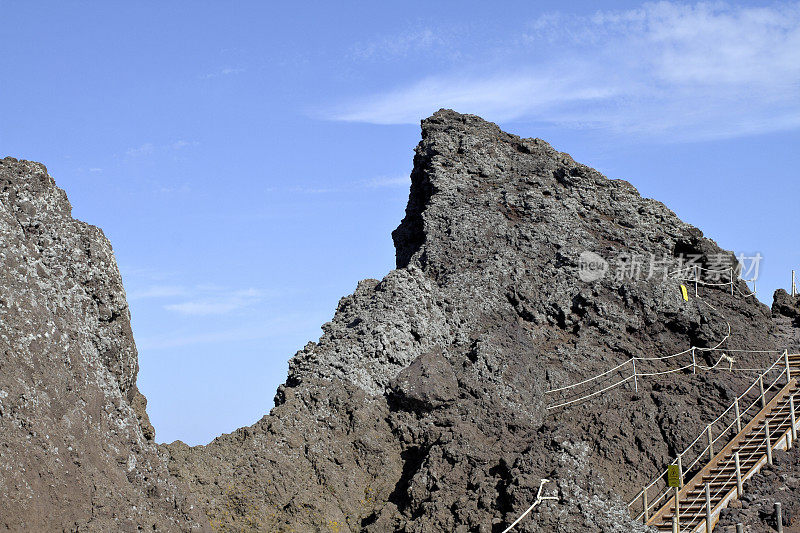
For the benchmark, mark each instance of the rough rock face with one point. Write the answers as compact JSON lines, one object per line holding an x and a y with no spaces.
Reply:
{"x":76,"y":449}
{"x":784,"y":304}
{"x":423,"y":406}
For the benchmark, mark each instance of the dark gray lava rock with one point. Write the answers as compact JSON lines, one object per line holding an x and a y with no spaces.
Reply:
{"x":76,"y":449}
{"x":423,"y":406}
{"x":784,"y":304}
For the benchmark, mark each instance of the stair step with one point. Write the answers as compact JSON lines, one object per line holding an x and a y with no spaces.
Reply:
{"x":751,"y":447}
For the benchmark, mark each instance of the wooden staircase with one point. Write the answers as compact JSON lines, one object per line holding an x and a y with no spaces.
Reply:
{"x":717,"y":482}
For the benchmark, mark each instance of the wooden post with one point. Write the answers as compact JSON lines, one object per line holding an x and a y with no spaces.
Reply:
{"x":739,"y":487}
{"x":680,"y":469}
{"x":768,"y":441}
{"x":710,"y":443}
{"x":786,"y":362}
{"x":635,"y":380}
{"x":738,"y":416}
{"x":779,"y":516}
{"x":761,"y":386}
{"x":694,"y":362}
{"x":794,"y":420}
{"x":644,"y":504}
{"x":708,"y":508}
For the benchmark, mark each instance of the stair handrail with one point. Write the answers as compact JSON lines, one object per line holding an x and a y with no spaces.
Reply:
{"x":699,"y":512}
{"x":650,"y":504}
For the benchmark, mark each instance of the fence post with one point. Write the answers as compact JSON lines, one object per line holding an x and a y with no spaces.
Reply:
{"x":739,"y":488}
{"x":710,"y":444}
{"x":676,"y":520}
{"x":680,"y":469}
{"x":761,"y":386}
{"x":731,"y":295}
{"x":779,"y":516}
{"x":694,"y":362}
{"x":708,"y":508}
{"x":768,"y":440}
{"x":635,"y":380}
{"x":794,"y":420}
{"x":786,"y":362}
{"x":738,"y":416}
{"x":644,"y":504}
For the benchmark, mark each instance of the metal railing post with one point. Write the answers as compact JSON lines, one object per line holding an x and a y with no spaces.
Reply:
{"x":768,"y":441}
{"x":793,"y":418}
{"x":739,"y":487}
{"x":710,"y":444}
{"x":739,"y":528}
{"x":696,"y":279}
{"x":731,"y":295}
{"x":644,"y":504}
{"x":680,"y":469}
{"x":761,"y":386}
{"x":709,"y":525}
{"x":738,"y":416}
{"x":676,"y":520}
{"x":779,"y":516}
{"x":694,"y":362}
{"x":675,"y":524}
{"x":635,"y":380}
{"x":786,"y":362}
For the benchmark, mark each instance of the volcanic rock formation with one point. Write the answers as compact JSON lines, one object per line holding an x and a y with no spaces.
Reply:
{"x":76,"y":447}
{"x":423,"y":406}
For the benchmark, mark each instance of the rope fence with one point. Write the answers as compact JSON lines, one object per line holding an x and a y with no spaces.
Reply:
{"x":627,"y":370}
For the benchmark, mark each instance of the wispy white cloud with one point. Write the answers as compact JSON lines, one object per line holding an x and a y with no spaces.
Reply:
{"x":95,"y":170}
{"x":227,"y":71}
{"x":400,"y":45}
{"x":177,"y":145}
{"x":219,"y":303}
{"x":388,"y":181}
{"x":149,"y":148}
{"x":679,"y":71}
{"x":158,"y":291}
{"x":144,"y":149}
{"x":247,"y":332}
{"x":371,"y":183}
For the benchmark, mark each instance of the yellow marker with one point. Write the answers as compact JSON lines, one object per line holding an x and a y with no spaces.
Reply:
{"x":685,"y":294}
{"x":673,"y":474}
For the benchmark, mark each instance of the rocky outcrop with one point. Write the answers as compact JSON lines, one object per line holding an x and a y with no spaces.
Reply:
{"x":786,"y":305}
{"x":423,"y":406}
{"x":76,"y":447}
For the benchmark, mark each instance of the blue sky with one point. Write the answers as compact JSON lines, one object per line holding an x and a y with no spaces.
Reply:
{"x":249,"y":160}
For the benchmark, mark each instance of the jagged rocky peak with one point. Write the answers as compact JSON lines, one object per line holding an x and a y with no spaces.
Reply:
{"x":424,"y":405}
{"x":76,"y":450}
